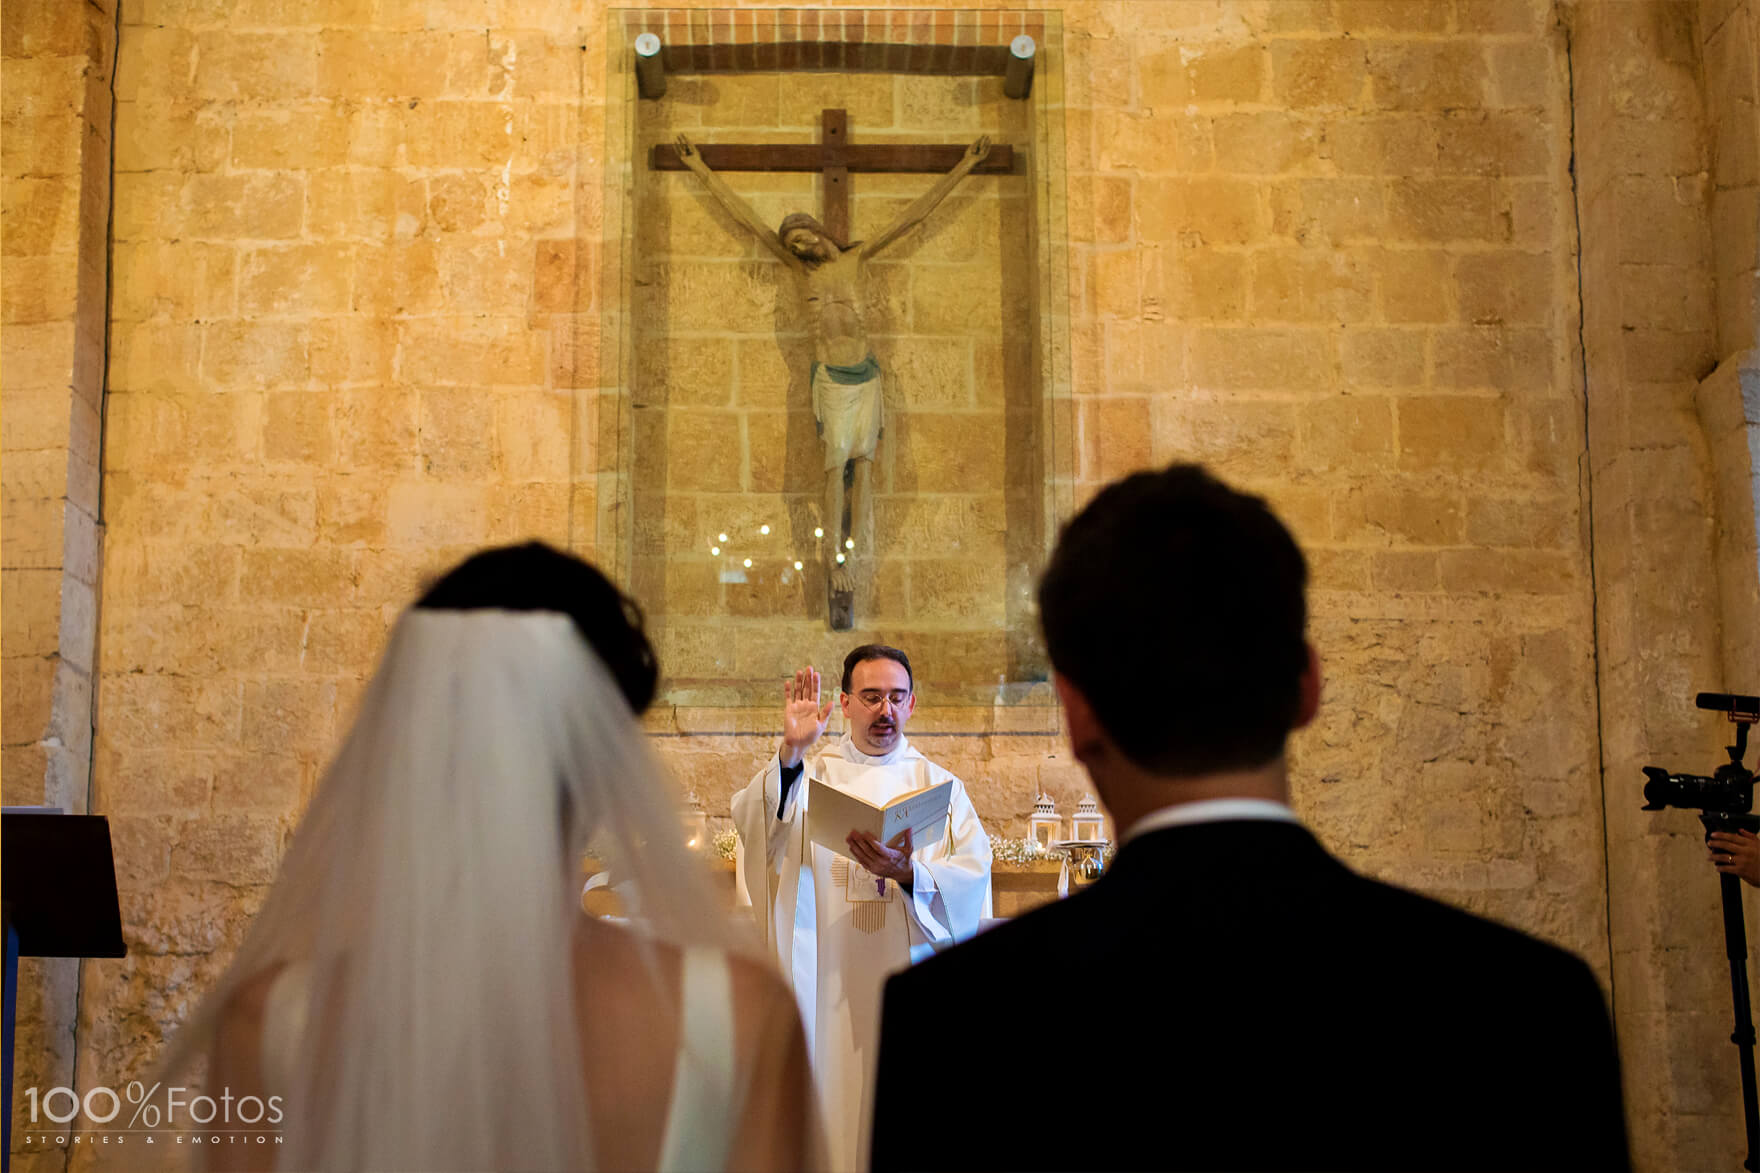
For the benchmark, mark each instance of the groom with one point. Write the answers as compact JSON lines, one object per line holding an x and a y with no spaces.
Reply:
{"x":1252,"y":1002}
{"x":840,"y":923}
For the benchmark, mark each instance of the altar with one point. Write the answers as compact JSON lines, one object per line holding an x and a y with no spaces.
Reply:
{"x":1017,"y":885}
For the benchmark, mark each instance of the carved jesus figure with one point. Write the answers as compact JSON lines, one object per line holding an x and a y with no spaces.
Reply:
{"x":846,"y":380}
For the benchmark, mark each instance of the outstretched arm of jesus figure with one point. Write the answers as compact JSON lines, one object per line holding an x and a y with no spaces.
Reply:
{"x":929,"y":200}
{"x":736,"y":207}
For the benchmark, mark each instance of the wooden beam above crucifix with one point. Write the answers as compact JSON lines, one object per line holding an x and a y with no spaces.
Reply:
{"x":835,"y":158}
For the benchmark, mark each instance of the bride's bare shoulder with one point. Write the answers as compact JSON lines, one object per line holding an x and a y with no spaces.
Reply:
{"x":607,"y":948}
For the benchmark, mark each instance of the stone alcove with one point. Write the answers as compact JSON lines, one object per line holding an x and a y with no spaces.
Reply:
{"x":705,"y":425}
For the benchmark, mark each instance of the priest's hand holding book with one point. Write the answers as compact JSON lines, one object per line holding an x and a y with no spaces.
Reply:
{"x":891,"y":860}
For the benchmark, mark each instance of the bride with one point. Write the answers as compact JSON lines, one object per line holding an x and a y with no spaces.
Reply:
{"x":421,"y":986}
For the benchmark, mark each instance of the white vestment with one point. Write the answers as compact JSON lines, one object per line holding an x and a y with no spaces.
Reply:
{"x":837,"y":931}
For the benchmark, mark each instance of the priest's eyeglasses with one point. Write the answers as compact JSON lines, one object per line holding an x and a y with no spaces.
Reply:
{"x":873,"y":699}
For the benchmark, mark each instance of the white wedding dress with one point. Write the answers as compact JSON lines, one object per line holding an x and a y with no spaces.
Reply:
{"x":702,"y":1114}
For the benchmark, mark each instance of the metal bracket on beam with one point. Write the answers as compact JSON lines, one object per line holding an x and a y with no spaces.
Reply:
{"x":1017,"y":80}
{"x":650,"y":70}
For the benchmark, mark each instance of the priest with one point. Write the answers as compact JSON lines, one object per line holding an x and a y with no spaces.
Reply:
{"x":841,"y":922}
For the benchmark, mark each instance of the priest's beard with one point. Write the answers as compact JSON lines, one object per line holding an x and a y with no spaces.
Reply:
{"x":881,"y":737}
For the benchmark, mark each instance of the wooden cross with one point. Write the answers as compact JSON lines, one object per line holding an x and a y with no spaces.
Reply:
{"x":834,"y":158}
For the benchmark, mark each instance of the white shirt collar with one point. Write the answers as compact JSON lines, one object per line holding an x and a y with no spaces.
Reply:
{"x":847,"y":750}
{"x":1209,"y":810}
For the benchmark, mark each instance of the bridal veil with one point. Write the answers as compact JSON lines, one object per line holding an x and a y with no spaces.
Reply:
{"x":433,"y":888}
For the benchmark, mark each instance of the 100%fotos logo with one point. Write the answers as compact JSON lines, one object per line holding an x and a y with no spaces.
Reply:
{"x":101,"y":1105}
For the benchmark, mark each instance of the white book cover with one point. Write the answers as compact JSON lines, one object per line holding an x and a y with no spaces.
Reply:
{"x":832,"y":814}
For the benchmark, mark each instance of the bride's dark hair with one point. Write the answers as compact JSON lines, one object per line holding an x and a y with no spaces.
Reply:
{"x":537,"y":577}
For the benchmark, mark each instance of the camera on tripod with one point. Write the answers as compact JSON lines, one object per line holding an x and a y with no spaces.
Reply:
{"x":1727,"y":794}
{"x":1725,"y":801}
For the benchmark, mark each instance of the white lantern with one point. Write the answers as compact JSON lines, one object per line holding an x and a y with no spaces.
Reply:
{"x":695,"y":821}
{"x":1088,"y":825}
{"x":1045,"y":828}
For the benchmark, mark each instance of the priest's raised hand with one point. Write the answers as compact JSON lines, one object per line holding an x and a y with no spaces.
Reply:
{"x":803,"y":717}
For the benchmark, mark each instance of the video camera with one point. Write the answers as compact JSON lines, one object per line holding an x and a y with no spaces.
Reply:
{"x":1725,"y":802}
{"x":1727,"y":794}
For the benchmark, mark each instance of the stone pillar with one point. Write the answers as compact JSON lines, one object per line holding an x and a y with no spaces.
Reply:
{"x":1649,"y":338}
{"x":1727,"y":33}
{"x":59,"y":64}
{"x":1728,"y":403}
{"x":1729,"y":398}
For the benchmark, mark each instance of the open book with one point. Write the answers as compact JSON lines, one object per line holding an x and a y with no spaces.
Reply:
{"x":832,"y":814}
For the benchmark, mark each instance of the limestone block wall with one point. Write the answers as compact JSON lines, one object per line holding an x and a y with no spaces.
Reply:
{"x":359,"y":258}
{"x":1730,"y":82}
{"x":1649,"y":238}
{"x":1727,"y":403}
{"x":1728,"y":407}
{"x":347,"y":259}
{"x":1327,"y":249}
{"x":57,"y":61}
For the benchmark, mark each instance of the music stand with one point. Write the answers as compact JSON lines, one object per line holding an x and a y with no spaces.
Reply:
{"x":60,"y":884}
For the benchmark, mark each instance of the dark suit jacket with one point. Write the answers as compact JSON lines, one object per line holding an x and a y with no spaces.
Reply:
{"x":1256,"y":1005}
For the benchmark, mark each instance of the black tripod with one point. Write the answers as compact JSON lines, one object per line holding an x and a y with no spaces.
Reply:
{"x":1735,"y":946}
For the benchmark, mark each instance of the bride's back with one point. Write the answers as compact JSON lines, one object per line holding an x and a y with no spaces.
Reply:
{"x":629,"y":1006}
{"x":630,"y":1029}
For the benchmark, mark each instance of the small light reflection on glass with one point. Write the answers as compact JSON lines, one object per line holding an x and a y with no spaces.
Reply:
{"x":818,"y":531}
{"x":748,"y":563}
{"x":763,"y":529}
{"x":714,"y":549}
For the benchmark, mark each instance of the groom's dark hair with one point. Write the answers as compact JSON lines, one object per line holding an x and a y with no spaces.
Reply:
{"x":876,"y":652}
{"x":1175,"y":605}
{"x":536,"y":577}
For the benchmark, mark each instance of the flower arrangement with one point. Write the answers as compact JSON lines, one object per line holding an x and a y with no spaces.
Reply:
{"x":1022,"y":851}
{"x":724,"y":843}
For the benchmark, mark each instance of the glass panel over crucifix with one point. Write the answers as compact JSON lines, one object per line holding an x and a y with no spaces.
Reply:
{"x":830,"y":277}
{"x":841,"y":416}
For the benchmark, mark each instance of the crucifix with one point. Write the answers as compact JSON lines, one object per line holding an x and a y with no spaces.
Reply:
{"x":845,"y":379}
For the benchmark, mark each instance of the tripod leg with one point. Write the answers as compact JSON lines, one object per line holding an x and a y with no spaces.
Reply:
{"x":1735,"y":939}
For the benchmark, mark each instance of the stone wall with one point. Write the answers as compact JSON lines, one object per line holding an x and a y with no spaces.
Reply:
{"x":1326,"y":250}
{"x":58,"y":60}
{"x":345,"y":250}
{"x":1728,"y":405}
{"x":1730,"y":84}
{"x":360,"y":255}
{"x":1645,"y":151}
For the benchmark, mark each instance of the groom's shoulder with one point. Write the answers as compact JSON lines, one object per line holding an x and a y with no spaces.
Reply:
{"x":1006,"y":947}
